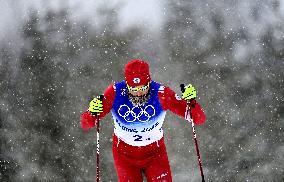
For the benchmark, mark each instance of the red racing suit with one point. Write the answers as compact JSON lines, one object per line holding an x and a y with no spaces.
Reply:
{"x":145,"y":152}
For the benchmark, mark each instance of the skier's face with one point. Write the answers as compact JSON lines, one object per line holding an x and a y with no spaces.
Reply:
{"x":139,"y":95}
{"x":139,"y":90}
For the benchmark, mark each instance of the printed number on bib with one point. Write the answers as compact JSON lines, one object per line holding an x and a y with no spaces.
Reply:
{"x":138,"y":138}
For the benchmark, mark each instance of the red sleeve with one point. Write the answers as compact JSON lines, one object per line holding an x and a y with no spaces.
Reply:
{"x":171,"y":101}
{"x":87,"y":120}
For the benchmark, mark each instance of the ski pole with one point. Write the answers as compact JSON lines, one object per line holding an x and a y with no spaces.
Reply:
{"x":98,"y":142}
{"x":188,"y":111}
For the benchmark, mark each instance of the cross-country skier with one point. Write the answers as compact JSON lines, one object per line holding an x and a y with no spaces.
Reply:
{"x":138,"y":106}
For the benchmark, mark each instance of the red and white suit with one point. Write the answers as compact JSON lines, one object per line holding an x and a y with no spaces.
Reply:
{"x":138,"y":142}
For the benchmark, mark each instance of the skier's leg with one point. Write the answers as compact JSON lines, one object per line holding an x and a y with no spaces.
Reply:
{"x":159,"y":169}
{"x":124,"y":170}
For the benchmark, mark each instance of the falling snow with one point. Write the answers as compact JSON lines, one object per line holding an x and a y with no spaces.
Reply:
{"x":55,"y":57}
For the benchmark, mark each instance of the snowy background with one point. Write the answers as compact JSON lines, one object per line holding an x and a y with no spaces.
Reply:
{"x":56,"y":55}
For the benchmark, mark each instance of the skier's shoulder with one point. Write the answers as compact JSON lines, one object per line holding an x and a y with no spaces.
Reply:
{"x":119,"y":85}
{"x":161,"y":87}
{"x":120,"y":82}
{"x":165,"y":90}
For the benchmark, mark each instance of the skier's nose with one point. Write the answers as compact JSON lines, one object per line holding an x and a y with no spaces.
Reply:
{"x":139,"y":93}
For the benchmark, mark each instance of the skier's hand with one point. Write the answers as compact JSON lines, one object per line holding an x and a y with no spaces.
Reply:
{"x":96,"y":105}
{"x":189,"y":93}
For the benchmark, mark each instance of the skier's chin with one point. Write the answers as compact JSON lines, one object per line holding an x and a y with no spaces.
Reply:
{"x":137,"y":97}
{"x":138,"y":100}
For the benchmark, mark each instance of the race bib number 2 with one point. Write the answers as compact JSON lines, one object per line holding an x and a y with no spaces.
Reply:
{"x":140,"y":138}
{"x":145,"y":138}
{"x":137,"y":138}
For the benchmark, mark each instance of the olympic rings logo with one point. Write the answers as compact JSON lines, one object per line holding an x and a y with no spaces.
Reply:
{"x":130,"y":115}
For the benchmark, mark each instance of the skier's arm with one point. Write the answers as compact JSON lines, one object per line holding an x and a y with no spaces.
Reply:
{"x":88,"y":120}
{"x":171,"y":101}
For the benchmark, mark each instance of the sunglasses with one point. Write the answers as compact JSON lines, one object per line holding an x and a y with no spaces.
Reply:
{"x":136,"y":89}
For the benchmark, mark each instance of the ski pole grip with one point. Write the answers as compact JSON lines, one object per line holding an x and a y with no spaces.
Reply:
{"x":182,"y":87}
{"x":101,"y":98}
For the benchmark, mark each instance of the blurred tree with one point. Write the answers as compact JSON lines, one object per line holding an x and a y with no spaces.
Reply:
{"x":231,"y":53}
{"x":61,"y":58}
{"x":39,"y":95}
{"x":8,"y":165}
{"x":239,"y":92}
